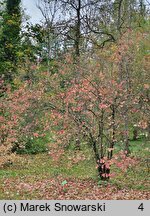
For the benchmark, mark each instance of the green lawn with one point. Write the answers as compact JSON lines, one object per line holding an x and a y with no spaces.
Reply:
{"x":30,"y":174}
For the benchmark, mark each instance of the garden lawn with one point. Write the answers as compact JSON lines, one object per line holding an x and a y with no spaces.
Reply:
{"x":72,"y":174}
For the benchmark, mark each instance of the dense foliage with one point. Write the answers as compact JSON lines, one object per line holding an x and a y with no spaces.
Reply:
{"x":10,"y":39}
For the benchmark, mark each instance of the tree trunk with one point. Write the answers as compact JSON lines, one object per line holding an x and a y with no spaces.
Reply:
{"x":78,"y":33}
{"x":135,"y":133}
{"x":110,"y":153}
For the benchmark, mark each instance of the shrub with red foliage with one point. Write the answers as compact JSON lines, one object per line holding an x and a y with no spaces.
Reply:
{"x":17,"y":121}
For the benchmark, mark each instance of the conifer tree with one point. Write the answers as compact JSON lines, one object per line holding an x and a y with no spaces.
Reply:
{"x":10,"y":39}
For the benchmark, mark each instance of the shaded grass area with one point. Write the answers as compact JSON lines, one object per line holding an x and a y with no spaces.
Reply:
{"x":25,"y":177}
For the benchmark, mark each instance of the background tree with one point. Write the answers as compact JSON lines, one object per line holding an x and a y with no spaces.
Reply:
{"x":10,"y":39}
{"x":49,"y":10}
